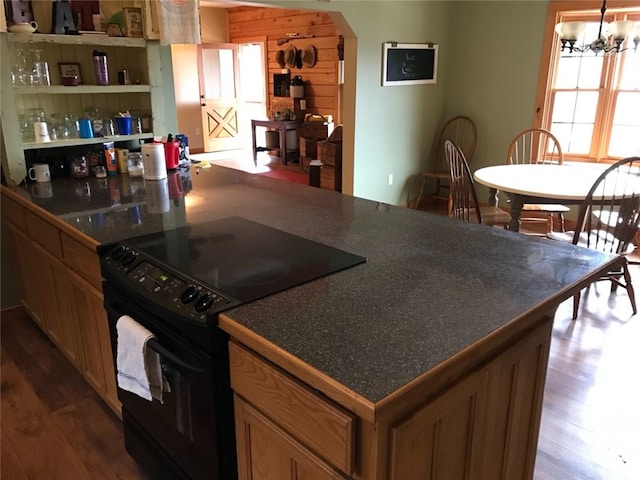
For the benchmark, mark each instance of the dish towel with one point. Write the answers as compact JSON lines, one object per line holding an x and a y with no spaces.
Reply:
{"x":179,"y":21}
{"x":139,"y":369}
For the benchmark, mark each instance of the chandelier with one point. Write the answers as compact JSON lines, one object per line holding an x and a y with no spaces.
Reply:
{"x":610,"y":37}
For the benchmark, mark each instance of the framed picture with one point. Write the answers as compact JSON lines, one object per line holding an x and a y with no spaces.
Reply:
{"x":70,"y":69}
{"x":133,"y":22}
{"x":409,"y":63}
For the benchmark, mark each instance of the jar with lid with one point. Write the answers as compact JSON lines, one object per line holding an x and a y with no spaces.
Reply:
{"x":135,"y":165}
{"x":296,"y":88}
{"x":80,"y":167}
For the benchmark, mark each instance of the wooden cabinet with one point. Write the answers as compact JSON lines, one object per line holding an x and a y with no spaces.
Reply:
{"x":474,"y":417}
{"x":330,"y":154}
{"x":141,"y":57}
{"x":59,"y":286}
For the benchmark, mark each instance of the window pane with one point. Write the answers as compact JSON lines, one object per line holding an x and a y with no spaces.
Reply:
{"x":580,"y":140}
{"x":627,"y":111}
{"x":579,"y":71}
{"x":625,"y":134}
{"x":573,"y":138}
{"x":251,"y":59}
{"x":564,"y":104}
{"x":218,"y":73}
{"x":572,"y":107}
{"x":562,"y":132}
{"x":630,"y":76}
{"x":624,"y":141}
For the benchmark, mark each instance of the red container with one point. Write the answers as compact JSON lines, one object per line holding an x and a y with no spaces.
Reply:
{"x":175,"y":185}
{"x":172,"y":155}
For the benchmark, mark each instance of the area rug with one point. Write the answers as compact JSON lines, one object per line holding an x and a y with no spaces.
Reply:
{"x":287,"y":175}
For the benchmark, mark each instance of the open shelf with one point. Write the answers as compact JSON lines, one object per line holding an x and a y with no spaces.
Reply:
{"x":83,"y":89}
{"x":85,"y":141}
{"x":102,"y":40}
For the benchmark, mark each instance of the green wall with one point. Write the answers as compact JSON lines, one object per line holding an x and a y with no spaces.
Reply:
{"x":488,"y":69}
{"x":493,"y":75}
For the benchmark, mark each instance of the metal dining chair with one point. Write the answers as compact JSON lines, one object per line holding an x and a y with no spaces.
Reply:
{"x":461,"y":131}
{"x":608,"y":220}
{"x":464,"y":201}
{"x":538,"y":146}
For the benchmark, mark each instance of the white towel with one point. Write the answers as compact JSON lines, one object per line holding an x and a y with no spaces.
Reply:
{"x":179,"y":21}
{"x":139,"y":369}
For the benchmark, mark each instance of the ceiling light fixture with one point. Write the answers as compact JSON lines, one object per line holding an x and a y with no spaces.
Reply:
{"x":610,"y":38}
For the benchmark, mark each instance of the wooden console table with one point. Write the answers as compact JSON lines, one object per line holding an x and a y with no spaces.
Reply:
{"x":282,"y":126}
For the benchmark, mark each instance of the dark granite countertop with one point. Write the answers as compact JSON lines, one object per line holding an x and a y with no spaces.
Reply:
{"x":431,"y":285}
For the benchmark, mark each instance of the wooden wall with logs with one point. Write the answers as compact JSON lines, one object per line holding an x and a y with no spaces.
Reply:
{"x":321,"y":81}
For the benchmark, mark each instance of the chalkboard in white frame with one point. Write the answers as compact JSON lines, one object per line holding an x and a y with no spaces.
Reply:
{"x":409,"y":63}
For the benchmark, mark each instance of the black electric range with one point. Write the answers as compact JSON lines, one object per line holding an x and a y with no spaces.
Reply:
{"x":175,"y":283}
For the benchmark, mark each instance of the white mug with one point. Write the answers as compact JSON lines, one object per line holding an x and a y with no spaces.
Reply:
{"x":42,"y":190}
{"x":39,"y":172}
{"x":41,"y":131}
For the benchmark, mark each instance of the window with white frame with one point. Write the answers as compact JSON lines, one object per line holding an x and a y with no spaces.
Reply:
{"x":592,"y":101}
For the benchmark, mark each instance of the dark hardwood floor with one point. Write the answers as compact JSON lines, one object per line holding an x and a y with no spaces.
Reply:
{"x":54,"y":426}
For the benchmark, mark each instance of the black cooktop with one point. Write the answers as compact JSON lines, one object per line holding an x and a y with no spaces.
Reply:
{"x":243,"y":259}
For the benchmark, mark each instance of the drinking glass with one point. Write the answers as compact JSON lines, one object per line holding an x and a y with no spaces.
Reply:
{"x":19,"y":72}
{"x":108,"y":127}
{"x":40,"y":71}
{"x":60,"y":125}
{"x":41,"y":74}
{"x":35,"y":115}
{"x":72,"y":124}
{"x":26,"y":128}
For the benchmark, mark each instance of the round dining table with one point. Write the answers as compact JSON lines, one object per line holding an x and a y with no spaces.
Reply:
{"x":565,"y":184}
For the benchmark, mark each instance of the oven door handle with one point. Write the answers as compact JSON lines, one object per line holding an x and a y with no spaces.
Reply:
{"x":154,"y":345}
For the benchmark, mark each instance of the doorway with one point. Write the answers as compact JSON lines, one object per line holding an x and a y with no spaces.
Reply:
{"x":217,"y":64}
{"x":232,"y":92}
{"x":253,"y":86}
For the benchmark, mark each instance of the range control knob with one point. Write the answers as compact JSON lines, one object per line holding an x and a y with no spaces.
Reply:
{"x":128,"y":258}
{"x":189,"y":294}
{"x":203,"y":303}
{"x":118,"y":252}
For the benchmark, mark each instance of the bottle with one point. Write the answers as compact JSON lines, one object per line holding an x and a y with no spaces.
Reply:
{"x":100,"y":66}
{"x":110,"y":158}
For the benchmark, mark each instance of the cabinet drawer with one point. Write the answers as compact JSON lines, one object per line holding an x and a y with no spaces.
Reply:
{"x":320,"y":425}
{"x":83,"y":260}
{"x":13,"y":212}
{"x":44,"y":233}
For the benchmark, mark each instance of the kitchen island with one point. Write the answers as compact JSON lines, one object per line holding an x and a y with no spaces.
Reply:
{"x":427,"y":361}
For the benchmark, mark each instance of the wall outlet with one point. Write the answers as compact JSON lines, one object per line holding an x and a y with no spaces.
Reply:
{"x":390,"y":179}
{"x":198,"y":131}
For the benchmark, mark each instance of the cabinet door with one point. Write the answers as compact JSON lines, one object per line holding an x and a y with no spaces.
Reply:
{"x":88,"y":309}
{"x":266,"y":452}
{"x":16,"y":241}
{"x":93,"y":328}
{"x":56,"y":305}
{"x":438,"y":440}
{"x":38,"y":282}
{"x":66,"y":330}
